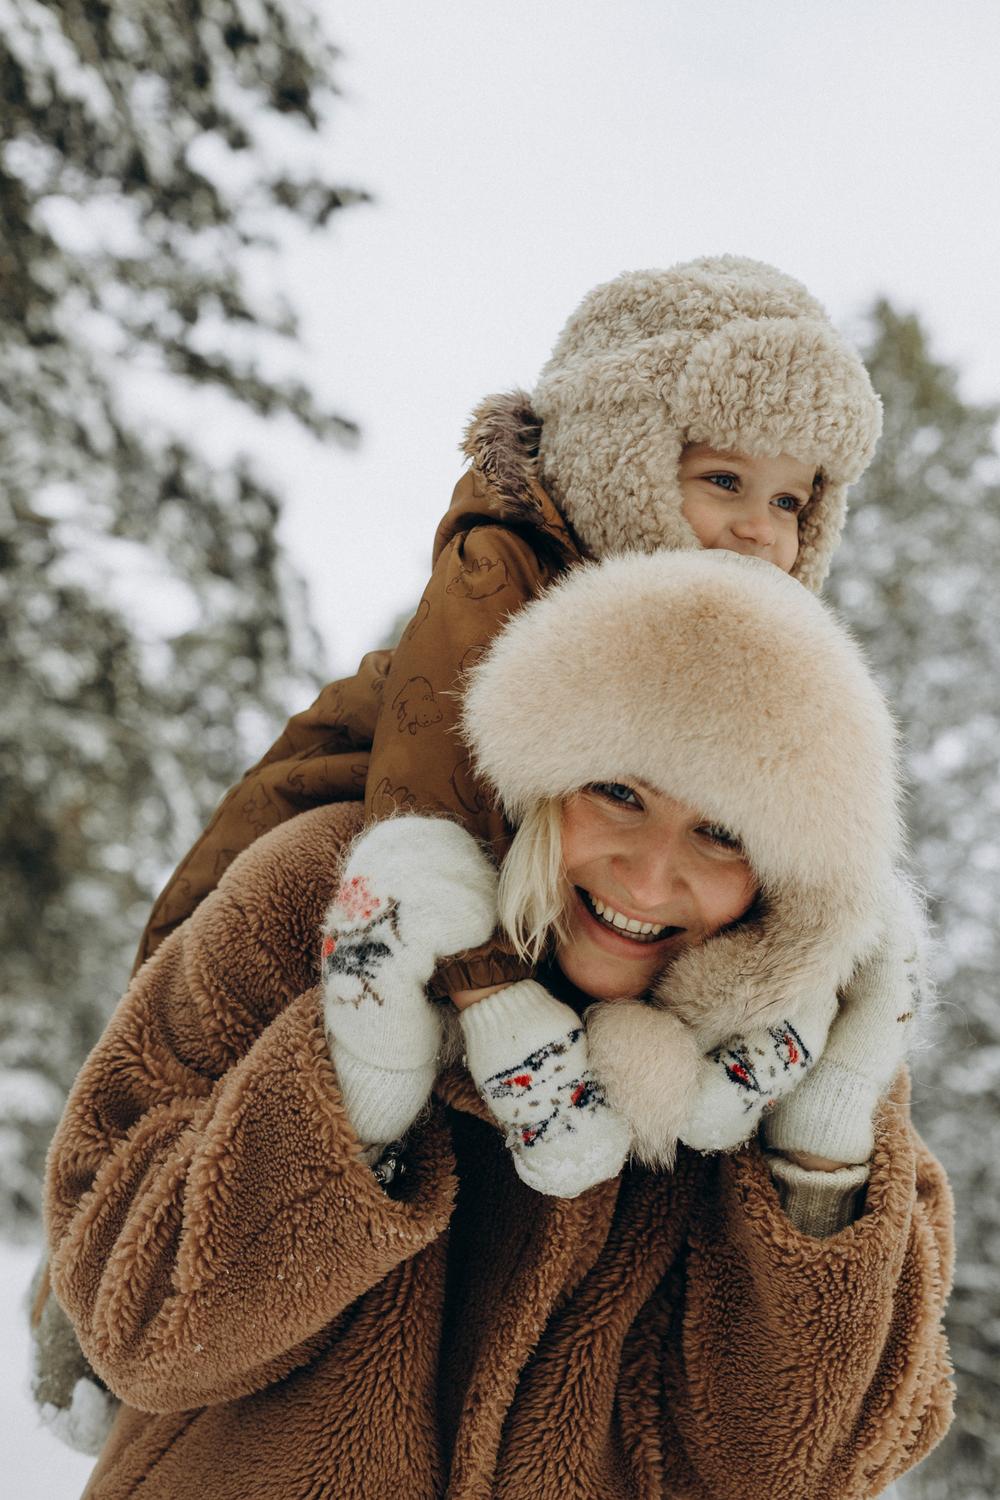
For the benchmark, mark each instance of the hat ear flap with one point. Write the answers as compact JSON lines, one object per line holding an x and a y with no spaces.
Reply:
{"x":609,"y":449}
{"x":800,"y":950}
{"x":785,"y":966}
{"x":821,"y":525}
{"x":648,"y":1064}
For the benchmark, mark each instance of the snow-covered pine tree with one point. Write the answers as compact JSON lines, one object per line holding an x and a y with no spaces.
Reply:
{"x":916,"y":579}
{"x":152,"y":635}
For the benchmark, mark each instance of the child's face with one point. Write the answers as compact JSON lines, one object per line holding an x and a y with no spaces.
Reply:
{"x":744,"y":504}
{"x":639,"y":854}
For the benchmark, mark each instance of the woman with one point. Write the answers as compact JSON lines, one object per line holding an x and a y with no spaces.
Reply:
{"x":711,"y":404}
{"x":281,"y":1324}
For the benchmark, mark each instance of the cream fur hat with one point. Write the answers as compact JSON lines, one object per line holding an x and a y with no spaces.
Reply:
{"x":725,"y":351}
{"x":720,"y":681}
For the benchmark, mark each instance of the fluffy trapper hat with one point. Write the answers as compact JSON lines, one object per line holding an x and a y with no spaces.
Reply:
{"x":725,"y":351}
{"x":721,"y":682}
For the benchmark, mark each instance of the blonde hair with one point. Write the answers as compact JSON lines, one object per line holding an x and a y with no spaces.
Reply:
{"x":533,"y":893}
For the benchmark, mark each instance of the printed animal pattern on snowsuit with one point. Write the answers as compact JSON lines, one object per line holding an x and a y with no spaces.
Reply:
{"x":551,"y":1094}
{"x":415,"y":706}
{"x":481,"y":579}
{"x":423,"y":610}
{"x":260,"y":812}
{"x":387,"y":799}
{"x":469,"y":792}
{"x":358,"y":953}
{"x":471,"y":657}
{"x":757,"y":1070}
{"x":223,"y":859}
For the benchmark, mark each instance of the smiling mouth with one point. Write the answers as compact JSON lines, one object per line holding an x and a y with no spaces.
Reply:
{"x":622,"y":926}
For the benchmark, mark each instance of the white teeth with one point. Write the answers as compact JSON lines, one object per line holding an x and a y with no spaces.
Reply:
{"x":616,"y":919}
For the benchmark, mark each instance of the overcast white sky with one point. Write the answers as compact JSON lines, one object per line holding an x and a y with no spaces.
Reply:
{"x":520,"y":153}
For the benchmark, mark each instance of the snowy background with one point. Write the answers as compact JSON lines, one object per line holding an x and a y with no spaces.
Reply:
{"x":515,"y":156}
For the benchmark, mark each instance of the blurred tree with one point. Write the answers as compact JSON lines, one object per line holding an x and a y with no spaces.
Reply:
{"x":152,"y":635}
{"x":916,"y":579}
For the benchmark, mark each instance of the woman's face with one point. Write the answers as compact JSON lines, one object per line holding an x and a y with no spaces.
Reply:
{"x":649,"y":877}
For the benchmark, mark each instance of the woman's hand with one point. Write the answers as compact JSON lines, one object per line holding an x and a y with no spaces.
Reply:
{"x":527,"y":1053}
{"x":810,"y":1163}
{"x":830,"y":1115}
{"x":414,"y":890}
{"x":462,"y":999}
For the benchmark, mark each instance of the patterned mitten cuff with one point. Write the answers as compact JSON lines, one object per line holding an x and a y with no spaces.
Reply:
{"x":414,"y":890}
{"x":527,"y":1053}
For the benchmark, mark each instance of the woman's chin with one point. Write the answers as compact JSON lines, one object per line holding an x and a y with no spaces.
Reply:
{"x":599,"y":978}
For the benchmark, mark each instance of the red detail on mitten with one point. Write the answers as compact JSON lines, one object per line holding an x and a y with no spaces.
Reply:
{"x":740,"y":1072}
{"x":329,"y":944}
{"x":578,"y":1093}
{"x":356,"y":898}
{"x":523,"y":1080}
{"x":793,"y":1051}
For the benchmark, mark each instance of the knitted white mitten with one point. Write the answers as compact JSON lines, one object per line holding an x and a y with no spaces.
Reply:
{"x":746,"y":1076}
{"x":527,"y":1053}
{"x":414,"y":891}
{"x":762,"y":1074}
{"x":831,"y":1113}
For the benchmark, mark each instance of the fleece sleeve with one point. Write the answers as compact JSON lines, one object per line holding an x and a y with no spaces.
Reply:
{"x":418,"y":761}
{"x":815,"y":1366}
{"x":208,"y":1211}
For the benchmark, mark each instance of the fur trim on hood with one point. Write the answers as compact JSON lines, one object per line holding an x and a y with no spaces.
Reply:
{"x":501,"y":440}
{"x":723,"y":683}
{"x":725,"y":351}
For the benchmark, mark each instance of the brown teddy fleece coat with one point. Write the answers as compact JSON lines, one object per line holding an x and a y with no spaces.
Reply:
{"x":280,"y":1325}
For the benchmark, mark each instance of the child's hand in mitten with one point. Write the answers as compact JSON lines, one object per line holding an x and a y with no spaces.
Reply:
{"x":527,"y":1053}
{"x":414,"y":891}
{"x":72,"y":1402}
{"x":830,"y":1115}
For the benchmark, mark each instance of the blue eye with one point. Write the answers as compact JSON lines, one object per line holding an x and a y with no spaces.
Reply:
{"x":616,"y":791}
{"x":731,"y":484}
{"x":717,"y":834}
{"x":789,"y":503}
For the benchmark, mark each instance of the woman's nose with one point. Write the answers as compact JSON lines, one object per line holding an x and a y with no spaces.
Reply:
{"x":651,"y":880}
